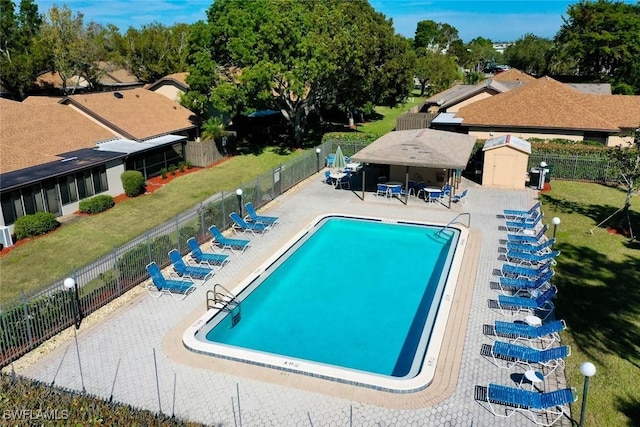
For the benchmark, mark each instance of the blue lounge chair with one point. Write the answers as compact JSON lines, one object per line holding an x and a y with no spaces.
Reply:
{"x":513,"y":214}
{"x":544,"y":408}
{"x":189,"y":271}
{"x":515,"y":304}
{"x":219,"y":240}
{"x":513,"y":285}
{"x":520,"y":226}
{"x":206,"y":258}
{"x":537,"y":248}
{"x":523,"y":272}
{"x":543,"y":336}
{"x":528,"y":236}
{"x":160,"y":285}
{"x":460,"y":198}
{"x":507,"y":355}
{"x":531,"y":259}
{"x":253,"y":216}
{"x":240,"y":226}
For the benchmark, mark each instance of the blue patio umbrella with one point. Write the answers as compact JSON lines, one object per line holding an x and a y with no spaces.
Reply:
{"x":339,"y":162}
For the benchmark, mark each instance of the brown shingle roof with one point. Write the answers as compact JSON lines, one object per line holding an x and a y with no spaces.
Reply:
{"x":544,"y":103}
{"x":138,"y":114}
{"x":179,"y":78}
{"x":513,"y":75}
{"x":33,"y":134}
{"x":623,"y":110}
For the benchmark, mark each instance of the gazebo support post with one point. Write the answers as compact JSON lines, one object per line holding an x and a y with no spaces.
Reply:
{"x":406,"y":185}
{"x":364,"y":174}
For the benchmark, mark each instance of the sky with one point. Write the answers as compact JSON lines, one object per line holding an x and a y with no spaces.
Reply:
{"x":505,"y":20}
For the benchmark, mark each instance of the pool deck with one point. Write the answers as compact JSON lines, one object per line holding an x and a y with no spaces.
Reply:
{"x":121,"y":352}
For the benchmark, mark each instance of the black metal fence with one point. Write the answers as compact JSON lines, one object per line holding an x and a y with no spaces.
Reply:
{"x":31,"y":319}
{"x":577,"y":168}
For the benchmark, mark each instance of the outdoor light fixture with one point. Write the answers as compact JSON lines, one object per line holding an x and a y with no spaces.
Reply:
{"x":318,"y":150}
{"x":72,"y":286}
{"x":239,"y":194}
{"x":588,"y":370}
{"x":556,"y":222}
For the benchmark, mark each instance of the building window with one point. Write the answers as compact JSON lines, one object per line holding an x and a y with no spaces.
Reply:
{"x":68,"y":189}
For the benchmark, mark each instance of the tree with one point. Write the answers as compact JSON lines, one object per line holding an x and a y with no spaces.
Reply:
{"x":296,"y":56}
{"x":65,"y":36}
{"x":627,"y":162}
{"x":21,"y":56}
{"x":434,"y":36}
{"x":603,"y":37}
{"x":530,"y":54}
{"x":481,"y":53}
{"x":155,"y":50}
{"x":437,"y":70}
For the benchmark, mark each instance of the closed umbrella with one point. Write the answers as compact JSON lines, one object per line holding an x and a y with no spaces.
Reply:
{"x":339,"y":162}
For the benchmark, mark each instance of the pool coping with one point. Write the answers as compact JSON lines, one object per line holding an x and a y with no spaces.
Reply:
{"x":447,"y":366}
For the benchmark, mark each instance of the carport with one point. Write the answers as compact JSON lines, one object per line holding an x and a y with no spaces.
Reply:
{"x":438,"y":152}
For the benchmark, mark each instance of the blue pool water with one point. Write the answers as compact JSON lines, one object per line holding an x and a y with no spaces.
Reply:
{"x":351,"y":293}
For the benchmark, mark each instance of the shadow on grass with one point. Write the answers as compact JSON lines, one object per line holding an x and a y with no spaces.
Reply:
{"x":597,"y":213}
{"x":631,"y":408}
{"x":600,"y":300}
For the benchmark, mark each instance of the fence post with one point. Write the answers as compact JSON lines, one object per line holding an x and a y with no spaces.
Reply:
{"x":116,"y":270}
{"x":27,"y":321}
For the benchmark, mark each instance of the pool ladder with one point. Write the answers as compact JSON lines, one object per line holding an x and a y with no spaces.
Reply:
{"x":455,"y":221}
{"x":222,"y":299}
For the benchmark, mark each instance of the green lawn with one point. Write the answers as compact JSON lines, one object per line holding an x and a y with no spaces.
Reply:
{"x":598,"y":280}
{"x":387,"y":121}
{"x":50,"y":257}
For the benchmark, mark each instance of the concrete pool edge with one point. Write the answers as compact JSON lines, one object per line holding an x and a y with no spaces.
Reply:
{"x":336,"y":374}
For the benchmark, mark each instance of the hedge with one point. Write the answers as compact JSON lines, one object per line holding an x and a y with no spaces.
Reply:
{"x":96,"y":204}
{"x":35,"y":225}
{"x":133,"y":183}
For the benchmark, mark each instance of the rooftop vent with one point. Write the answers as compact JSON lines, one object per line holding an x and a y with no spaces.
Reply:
{"x":118,"y":95}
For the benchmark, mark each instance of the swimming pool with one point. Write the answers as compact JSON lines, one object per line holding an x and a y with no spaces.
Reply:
{"x":357,"y":300}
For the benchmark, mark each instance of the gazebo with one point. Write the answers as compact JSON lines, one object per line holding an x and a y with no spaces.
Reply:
{"x":428,"y":155}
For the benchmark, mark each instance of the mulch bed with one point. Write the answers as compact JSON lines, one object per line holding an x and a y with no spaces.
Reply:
{"x":152,"y":185}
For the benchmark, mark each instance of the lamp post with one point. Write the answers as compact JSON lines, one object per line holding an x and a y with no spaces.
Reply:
{"x":318,"y":158}
{"x":556,"y":222}
{"x":239,"y":194}
{"x":72,"y":286}
{"x":543,"y":165}
{"x":588,"y":370}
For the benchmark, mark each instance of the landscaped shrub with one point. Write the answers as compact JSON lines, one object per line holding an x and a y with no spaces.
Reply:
{"x":163,"y":173}
{"x":172,"y":169}
{"x":189,"y":165}
{"x":181,"y":166}
{"x":35,"y":224}
{"x":96,"y":204}
{"x":133,"y":183}
{"x":132,"y":264}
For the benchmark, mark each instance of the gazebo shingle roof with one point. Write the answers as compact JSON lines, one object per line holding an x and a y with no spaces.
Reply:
{"x":419,"y":147}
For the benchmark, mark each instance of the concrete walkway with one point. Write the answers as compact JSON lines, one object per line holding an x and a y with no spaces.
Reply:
{"x":121,"y":352}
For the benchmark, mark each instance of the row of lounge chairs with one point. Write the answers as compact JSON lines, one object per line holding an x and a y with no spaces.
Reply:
{"x":525,"y":289}
{"x":200,"y":266}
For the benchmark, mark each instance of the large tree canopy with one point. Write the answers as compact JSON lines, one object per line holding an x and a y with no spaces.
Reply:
{"x":530,"y":54}
{"x":604,"y":39}
{"x":21,"y":56}
{"x":296,"y":56}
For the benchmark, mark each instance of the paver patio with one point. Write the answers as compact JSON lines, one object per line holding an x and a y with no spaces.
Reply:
{"x":117,"y":354}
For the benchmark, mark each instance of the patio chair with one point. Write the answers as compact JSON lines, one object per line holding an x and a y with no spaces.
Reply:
{"x":185,"y":270}
{"x":240,"y":226}
{"x":345,"y":180}
{"x":506,"y":355}
{"x":223,"y":242}
{"x":327,"y":177}
{"x":206,"y":258}
{"x":512,"y":285}
{"x":330,"y":159}
{"x":514,"y":215}
{"x":528,"y":236}
{"x":544,"y":408}
{"x":160,"y":285}
{"x":531,"y":259}
{"x":514,"y":332}
{"x":460,"y":198}
{"x":411,"y":187}
{"x":381,"y":190}
{"x":537,"y":248}
{"x":523,"y":272}
{"x":512,"y":305}
{"x":253,"y":216}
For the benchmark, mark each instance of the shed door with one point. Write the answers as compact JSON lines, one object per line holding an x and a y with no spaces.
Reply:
{"x":504,"y":171}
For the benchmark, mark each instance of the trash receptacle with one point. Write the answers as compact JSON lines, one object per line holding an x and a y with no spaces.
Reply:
{"x":547,"y":173}
{"x":534,"y":177}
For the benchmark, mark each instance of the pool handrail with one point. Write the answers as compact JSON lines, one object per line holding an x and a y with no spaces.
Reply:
{"x":453,"y":221}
